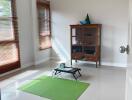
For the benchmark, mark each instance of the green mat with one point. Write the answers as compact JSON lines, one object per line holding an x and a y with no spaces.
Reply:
{"x":55,"y":88}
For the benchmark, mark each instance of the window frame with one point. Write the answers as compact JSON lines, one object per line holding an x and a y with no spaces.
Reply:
{"x":14,"y":65}
{"x":41,"y":4}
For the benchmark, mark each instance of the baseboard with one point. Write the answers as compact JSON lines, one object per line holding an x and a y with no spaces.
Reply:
{"x":24,"y":66}
{"x":55,"y":58}
{"x":107,"y":64}
{"x":114,"y":64}
{"x":42,"y":61}
{"x":27,"y":65}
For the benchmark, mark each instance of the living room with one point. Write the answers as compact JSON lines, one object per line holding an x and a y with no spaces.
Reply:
{"x":39,"y":54}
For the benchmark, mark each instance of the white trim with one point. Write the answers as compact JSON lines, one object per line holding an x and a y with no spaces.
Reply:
{"x":114,"y":64}
{"x":55,"y":58}
{"x":106,"y":64}
{"x":11,"y":72}
{"x":18,"y":69}
{"x":42,"y":61}
{"x":27,"y":65}
{"x":24,"y":66}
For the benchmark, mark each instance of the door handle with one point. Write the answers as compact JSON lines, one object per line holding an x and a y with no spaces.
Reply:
{"x":124,"y":49}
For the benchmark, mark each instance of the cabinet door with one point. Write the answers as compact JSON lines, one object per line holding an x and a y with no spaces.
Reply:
{"x":89,"y":36}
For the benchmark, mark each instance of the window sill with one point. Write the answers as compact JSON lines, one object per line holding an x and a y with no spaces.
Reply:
{"x":45,"y":48}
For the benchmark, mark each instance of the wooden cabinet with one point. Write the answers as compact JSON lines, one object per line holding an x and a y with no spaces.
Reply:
{"x":86,"y":42}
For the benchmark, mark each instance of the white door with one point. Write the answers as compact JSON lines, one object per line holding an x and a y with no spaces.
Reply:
{"x":129,"y":70}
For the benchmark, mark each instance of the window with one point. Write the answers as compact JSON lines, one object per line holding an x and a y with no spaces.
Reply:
{"x":9,"y":47}
{"x":44,"y":24}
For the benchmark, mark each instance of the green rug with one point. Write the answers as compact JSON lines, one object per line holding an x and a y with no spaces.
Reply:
{"x":55,"y":88}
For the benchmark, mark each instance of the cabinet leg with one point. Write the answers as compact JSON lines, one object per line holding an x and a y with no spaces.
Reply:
{"x":71,"y":61}
{"x":76,"y":61}
{"x":96,"y":65}
{"x":99,"y":63}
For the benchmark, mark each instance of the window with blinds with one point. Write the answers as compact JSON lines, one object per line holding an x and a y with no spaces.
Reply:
{"x":9,"y":47}
{"x":44,"y":24}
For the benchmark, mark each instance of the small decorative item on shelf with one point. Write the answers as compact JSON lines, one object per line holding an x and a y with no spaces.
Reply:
{"x":86,"y":21}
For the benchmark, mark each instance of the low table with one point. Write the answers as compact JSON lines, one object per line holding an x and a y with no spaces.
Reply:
{"x":70,"y":70}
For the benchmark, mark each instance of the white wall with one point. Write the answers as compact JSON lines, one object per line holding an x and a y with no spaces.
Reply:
{"x":28,"y":34}
{"x":112,"y":14}
{"x":25,"y":32}
{"x":43,"y":55}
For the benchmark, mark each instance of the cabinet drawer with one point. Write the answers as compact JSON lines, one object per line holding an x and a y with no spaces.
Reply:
{"x":91,"y":58}
{"x":77,"y":56}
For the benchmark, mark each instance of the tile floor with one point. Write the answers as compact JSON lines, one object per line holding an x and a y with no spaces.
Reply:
{"x":107,"y":83}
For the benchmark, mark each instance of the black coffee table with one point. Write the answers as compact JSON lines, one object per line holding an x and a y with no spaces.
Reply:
{"x":71,"y":70}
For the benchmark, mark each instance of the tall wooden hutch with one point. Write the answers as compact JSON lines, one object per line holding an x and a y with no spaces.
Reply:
{"x":86,"y":42}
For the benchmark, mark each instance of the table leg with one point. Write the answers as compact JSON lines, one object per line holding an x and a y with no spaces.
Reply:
{"x":55,"y":72}
{"x":79,"y":73}
{"x":74,"y":76}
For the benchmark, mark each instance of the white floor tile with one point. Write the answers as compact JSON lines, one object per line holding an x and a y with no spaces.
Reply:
{"x":106,"y":83}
